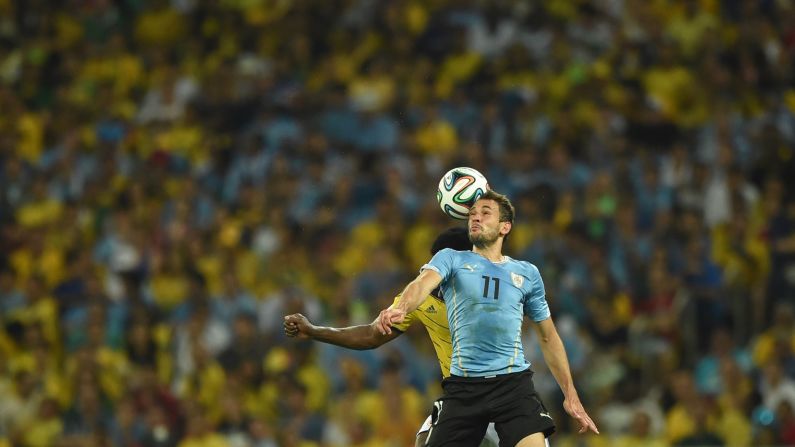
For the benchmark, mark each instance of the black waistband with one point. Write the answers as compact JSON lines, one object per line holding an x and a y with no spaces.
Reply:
{"x":494,"y":378}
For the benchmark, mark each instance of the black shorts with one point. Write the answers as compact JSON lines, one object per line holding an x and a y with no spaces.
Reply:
{"x":460,"y":417}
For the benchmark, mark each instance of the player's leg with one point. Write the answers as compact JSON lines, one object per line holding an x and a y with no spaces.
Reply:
{"x":520,"y":417}
{"x":422,"y":434}
{"x":457,"y":423}
{"x":531,"y":441}
{"x":524,"y":429}
{"x":421,"y":439}
{"x":491,"y":439}
{"x":534,"y":440}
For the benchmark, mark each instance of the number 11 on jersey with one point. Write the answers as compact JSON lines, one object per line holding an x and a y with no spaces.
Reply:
{"x":486,"y":286}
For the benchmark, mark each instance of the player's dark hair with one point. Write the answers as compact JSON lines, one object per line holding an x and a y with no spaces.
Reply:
{"x":455,"y":238}
{"x":507,"y":211}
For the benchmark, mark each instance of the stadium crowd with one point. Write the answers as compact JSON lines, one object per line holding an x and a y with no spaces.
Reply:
{"x":175,"y":176}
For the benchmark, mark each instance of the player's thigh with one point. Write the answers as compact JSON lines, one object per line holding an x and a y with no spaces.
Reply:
{"x":422,"y":434}
{"x":534,"y":440}
{"x":421,"y":439}
{"x":456,"y":424}
{"x":524,"y":418}
{"x":491,"y":439}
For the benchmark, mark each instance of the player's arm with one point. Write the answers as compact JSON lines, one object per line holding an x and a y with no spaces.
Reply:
{"x":413,"y":295}
{"x":365,"y":336}
{"x":558,"y":363}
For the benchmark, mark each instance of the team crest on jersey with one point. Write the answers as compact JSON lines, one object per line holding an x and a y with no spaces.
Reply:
{"x":518,"y":280}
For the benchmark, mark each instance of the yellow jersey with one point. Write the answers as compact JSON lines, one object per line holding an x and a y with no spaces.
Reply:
{"x":432,"y":313}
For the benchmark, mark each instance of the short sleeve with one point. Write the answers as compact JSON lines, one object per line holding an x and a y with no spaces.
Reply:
{"x":407,"y":321}
{"x":442,"y":263}
{"x":535,"y":305}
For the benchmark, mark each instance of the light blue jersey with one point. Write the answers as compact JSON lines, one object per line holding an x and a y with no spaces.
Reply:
{"x":486,"y":302}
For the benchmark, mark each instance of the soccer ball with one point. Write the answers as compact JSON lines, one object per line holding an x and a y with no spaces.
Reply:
{"x":459,"y":189}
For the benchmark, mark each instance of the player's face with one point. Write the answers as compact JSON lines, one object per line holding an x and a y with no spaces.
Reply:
{"x":484,"y":223}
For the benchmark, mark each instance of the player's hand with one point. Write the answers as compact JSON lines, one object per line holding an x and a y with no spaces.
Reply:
{"x":297,"y":325}
{"x":387,"y":318}
{"x":574,"y":408}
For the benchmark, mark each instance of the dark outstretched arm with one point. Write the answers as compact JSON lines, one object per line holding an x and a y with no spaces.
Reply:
{"x":365,"y":336}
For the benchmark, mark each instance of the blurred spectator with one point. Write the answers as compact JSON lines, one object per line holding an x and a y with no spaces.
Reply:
{"x":233,"y":301}
{"x":640,"y":433}
{"x":296,"y":420}
{"x":690,"y":419}
{"x":702,"y":435}
{"x":708,"y":369}
{"x":775,"y":387}
{"x":21,"y":402}
{"x":45,"y":428}
{"x":785,"y":419}
{"x":127,"y":425}
{"x":245,"y":345}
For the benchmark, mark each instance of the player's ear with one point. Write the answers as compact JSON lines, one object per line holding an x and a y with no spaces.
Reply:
{"x":505,"y":228}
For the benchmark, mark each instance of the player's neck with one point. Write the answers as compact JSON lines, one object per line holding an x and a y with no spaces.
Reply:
{"x":491,"y":252}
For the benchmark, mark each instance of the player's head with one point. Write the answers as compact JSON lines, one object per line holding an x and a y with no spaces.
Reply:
{"x":455,"y":238}
{"x":490,"y":218}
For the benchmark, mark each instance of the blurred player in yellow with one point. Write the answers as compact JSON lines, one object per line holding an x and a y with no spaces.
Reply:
{"x":432,"y":313}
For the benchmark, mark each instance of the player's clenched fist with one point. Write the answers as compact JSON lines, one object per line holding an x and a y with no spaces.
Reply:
{"x":388,"y":317}
{"x":297,"y":325}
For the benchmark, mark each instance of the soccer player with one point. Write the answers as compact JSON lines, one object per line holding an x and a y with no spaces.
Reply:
{"x":431,"y":313}
{"x":487,"y":296}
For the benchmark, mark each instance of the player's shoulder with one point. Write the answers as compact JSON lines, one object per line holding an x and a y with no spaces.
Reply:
{"x":455,"y":254}
{"x":452,"y":251}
